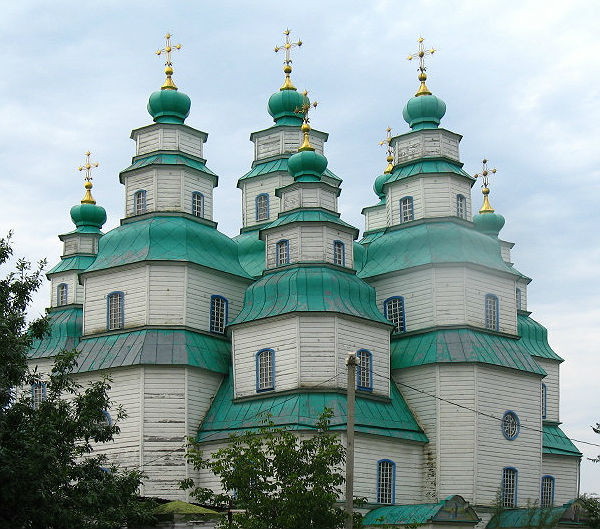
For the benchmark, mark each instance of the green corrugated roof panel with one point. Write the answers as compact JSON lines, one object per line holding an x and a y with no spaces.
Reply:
{"x":309,"y":289}
{"x":557,"y":443}
{"x":154,"y":347}
{"x":64,"y":329}
{"x":277,"y":165}
{"x":300,"y":411}
{"x":251,"y":251}
{"x":535,"y":338}
{"x":425,"y":167}
{"x":431,"y":243}
{"x":462,"y":345}
{"x":75,"y":262}
{"x":536,"y":518}
{"x":308,"y":215}
{"x":168,"y":239}
{"x":169,"y":159}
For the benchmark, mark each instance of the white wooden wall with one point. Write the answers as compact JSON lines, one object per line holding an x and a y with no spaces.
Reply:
{"x":565,"y":471}
{"x":165,"y":137}
{"x":309,"y":197}
{"x":552,"y":381}
{"x":291,"y":232}
{"x":80,"y":243}
{"x":375,"y":217}
{"x":74,"y":289}
{"x":166,"y":294}
{"x":425,"y":143}
{"x":505,"y":248}
{"x":280,"y":140}
{"x":521,"y":284}
{"x":253,"y":187}
{"x":193,"y":182}
{"x":142,"y":180}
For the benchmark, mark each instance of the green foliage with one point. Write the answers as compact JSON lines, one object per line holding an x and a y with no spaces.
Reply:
{"x":277,"y":479}
{"x":591,"y":503}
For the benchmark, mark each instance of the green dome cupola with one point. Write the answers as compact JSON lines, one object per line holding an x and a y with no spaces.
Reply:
{"x":487,"y":222}
{"x":383,"y":178}
{"x":87,"y":216}
{"x":307,"y":165}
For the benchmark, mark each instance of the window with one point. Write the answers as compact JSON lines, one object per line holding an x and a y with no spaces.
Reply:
{"x":62,"y":292}
{"x":106,"y":419}
{"x":197,"y":204}
{"x":139,"y":202}
{"x":38,"y":394}
{"x":339,"y":253}
{"x":262,"y":207}
{"x":544,"y":401}
{"x":282,"y":252}
{"x":114,"y":311}
{"x":518,"y":298}
{"x":364,"y":370}
{"x":386,"y":478}
{"x":265,"y":370}
{"x":461,"y":206}
{"x":547,"y":496}
{"x":393,"y":309}
{"x":510,"y":425}
{"x":509,"y":487}
{"x":491,"y":312}
{"x":218,"y":314}
{"x":406,"y":209}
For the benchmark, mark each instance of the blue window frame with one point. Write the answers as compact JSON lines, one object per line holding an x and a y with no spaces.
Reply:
{"x":492,"y":312}
{"x":510,"y":425}
{"x":62,"y":294}
{"x":407,"y":212}
{"x":265,"y":370}
{"x":393,"y":310}
{"x":461,"y":206}
{"x":197,"y":204}
{"x":282,"y":252}
{"x":339,"y":253}
{"x":544,"y":401}
{"x":547,"y":492}
{"x":262,"y":206}
{"x":219,"y":307}
{"x":139,"y":202}
{"x":106,"y":418}
{"x":386,"y":481}
{"x":38,"y":394}
{"x":115,"y":311}
{"x":364,"y":370}
{"x":509,"y":487}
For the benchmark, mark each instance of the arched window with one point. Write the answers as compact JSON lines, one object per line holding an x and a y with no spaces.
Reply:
{"x":114,"y":311}
{"x":386,"y":481}
{"x":262,"y":207}
{"x":197,"y":204}
{"x":38,"y":394}
{"x":491,"y":312}
{"x":364,"y":370}
{"x":265,"y":370}
{"x":510,"y":425}
{"x":139,"y":202}
{"x":544,"y":401}
{"x":406,"y":209}
{"x":547,"y":496}
{"x":393,"y":309}
{"x":518,"y":298}
{"x":282,"y":252}
{"x":339,"y":253}
{"x":461,"y":206}
{"x":218,"y":314}
{"x":62,"y":292}
{"x":509,"y":487}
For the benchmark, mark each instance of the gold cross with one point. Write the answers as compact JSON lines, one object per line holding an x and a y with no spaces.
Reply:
{"x":390,"y":154}
{"x":287,"y":63}
{"x":168,"y":84}
{"x":305,"y":128}
{"x":420,"y":54}
{"x":87,"y":167}
{"x":484,"y":175}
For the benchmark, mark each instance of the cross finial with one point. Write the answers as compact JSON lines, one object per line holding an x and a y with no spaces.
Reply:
{"x":390,"y":154}
{"x":484,"y":175}
{"x":287,"y":63}
{"x":168,"y":84}
{"x":87,"y":167}
{"x":420,"y":54}
{"x":305,"y":128}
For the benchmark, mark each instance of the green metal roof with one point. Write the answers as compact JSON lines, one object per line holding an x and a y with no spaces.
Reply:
{"x":75,"y":262}
{"x":309,"y":289}
{"x":309,"y":215}
{"x":431,"y":243}
{"x":540,"y":517}
{"x":251,"y":251}
{"x":169,"y":159}
{"x":535,"y":338}
{"x":278,"y":165}
{"x":154,"y":347}
{"x":427,"y":167}
{"x":300,"y":411}
{"x":164,"y":238}
{"x":557,"y":443}
{"x":64,"y":330}
{"x":461,"y":345}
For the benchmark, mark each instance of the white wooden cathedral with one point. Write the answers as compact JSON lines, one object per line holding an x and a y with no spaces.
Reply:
{"x":457,"y":388}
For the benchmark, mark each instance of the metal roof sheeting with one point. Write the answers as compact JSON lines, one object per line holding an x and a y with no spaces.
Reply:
{"x":556,"y":442}
{"x":278,"y":165}
{"x":64,"y":332}
{"x":76,"y":262}
{"x":535,"y":338}
{"x":169,"y":159}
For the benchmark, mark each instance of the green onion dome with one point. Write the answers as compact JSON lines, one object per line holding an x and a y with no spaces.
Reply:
{"x":424,"y":112}
{"x":379,"y":183}
{"x":307,"y":166}
{"x":284,"y":104}
{"x":489,"y":223}
{"x":169,"y":106}
{"x":88,"y":216}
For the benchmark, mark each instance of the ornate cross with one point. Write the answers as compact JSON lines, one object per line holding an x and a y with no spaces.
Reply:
{"x":287,"y":63}
{"x":168,"y":84}
{"x":305,"y":128}
{"x":484,"y":175}
{"x":420,"y":54}
{"x":390,"y":154}
{"x":87,"y":167}
{"x":305,"y":108}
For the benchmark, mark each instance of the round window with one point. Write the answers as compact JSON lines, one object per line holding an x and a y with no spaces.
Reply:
{"x":510,"y":425}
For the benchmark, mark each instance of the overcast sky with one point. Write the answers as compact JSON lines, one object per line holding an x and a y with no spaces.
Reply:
{"x":520,"y":80}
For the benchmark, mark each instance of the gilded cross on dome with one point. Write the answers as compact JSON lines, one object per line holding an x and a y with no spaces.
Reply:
{"x":420,"y":54}
{"x":167,"y":50}
{"x":87,"y":167}
{"x":287,"y":63}
{"x":484,"y":175}
{"x":390,"y":154}
{"x":305,"y":128}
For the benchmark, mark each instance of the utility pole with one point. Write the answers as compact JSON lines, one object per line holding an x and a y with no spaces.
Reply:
{"x":351,"y":363}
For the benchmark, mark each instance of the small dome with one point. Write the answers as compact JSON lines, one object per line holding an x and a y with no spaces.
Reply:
{"x":489,"y":223}
{"x":283,"y":105}
{"x":307,"y":165}
{"x":424,"y":112}
{"x":88,"y":215}
{"x":169,"y":106}
{"x":379,"y":183}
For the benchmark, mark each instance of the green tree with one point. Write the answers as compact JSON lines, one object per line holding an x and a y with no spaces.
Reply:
{"x":276,"y":479}
{"x":49,"y":476}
